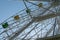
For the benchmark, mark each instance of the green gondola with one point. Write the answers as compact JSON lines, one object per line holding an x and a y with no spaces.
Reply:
{"x":17,"y":17}
{"x":28,"y":10}
{"x":5,"y":25}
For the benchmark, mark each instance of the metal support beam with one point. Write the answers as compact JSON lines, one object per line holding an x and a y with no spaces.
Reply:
{"x":20,"y":31}
{"x":44,"y":0}
{"x":39,"y":30}
{"x":48,"y":16}
{"x":54,"y":26}
{"x":50,"y":30}
{"x":41,"y":0}
{"x":30,"y":31}
{"x":58,"y":22}
{"x":56,"y":37}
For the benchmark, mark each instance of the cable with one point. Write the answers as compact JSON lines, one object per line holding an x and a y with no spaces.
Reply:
{"x":27,"y":9}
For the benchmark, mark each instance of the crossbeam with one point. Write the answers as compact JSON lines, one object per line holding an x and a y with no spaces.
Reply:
{"x":48,"y":16}
{"x":56,"y":37}
{"x":20,"y":31}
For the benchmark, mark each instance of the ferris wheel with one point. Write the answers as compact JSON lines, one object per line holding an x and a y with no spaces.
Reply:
{"x":40,"y":19}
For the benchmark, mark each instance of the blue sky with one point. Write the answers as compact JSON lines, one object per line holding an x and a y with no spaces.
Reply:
{"x":8,"y":8}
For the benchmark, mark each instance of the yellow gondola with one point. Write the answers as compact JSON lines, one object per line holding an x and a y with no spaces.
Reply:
{"x":40,"y":4}
{"x":16,"y":17}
